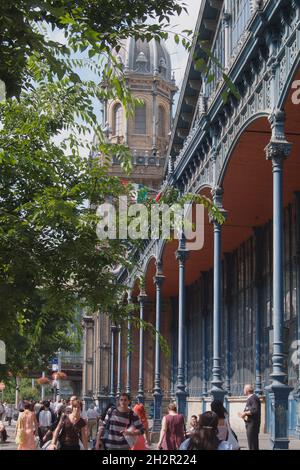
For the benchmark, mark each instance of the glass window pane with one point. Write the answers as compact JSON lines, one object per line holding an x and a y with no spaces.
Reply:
{"x":140,"y":120}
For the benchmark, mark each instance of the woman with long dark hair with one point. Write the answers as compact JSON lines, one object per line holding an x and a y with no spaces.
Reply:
{"x":205,"y":436}
{"x":70,"y":430}
{"x":218,"y":408}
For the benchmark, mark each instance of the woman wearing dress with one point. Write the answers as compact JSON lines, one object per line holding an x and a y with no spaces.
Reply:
{"x":27,"y":428}
{"x":172,"y":431}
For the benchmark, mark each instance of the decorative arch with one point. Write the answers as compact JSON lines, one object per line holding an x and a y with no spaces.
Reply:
{"x":232,"y":146}
{"x":117,"y":119}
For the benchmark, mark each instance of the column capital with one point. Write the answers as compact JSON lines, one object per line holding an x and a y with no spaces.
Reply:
{"x":257,"y":4}
{"x":87,"y":321}
{"x":226,"y":19}
{"x":142,"y":297}
{"x":182,"y":255}
{"x":217,"y":194}
{"x":158,"y":279}
{"x":278,"y":150}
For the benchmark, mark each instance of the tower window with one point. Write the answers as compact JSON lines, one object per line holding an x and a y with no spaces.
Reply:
{"x":161,"y":122}
{"x":140,"y":120}
{"x":117,"y":120}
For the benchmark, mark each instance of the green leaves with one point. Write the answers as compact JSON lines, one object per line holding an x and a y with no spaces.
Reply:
{"x":51,"y":260}
{"x":96,"y":26}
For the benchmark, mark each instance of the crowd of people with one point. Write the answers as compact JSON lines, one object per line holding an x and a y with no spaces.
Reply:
{"x":65,"y":425}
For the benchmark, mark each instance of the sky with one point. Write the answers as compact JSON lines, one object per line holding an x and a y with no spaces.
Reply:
{"x":179,"y":56}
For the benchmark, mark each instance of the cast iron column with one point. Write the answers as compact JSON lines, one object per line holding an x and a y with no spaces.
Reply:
{"x":119,"y":375}
{"x":277,"y":151}
{"x":157,"y":392}
{"x":129,"y":352}
{"x":181,"y":394}
{"x":296,"y":354}
{"x":141,"y":396}
{"x":113,"y":329}
{"x":217,"y":391}
{"x":258,"y":312}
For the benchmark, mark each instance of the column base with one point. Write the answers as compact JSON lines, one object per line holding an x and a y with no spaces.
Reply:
{"x":279,"y":396}
{"x":87,"y":401}
{"x":181,"y":397}
{"x":157,"y":416}
{"x":218,"y":394}
{"x":103,"y":401}
{"x":140,"y":398}
{"x":112,"y":398}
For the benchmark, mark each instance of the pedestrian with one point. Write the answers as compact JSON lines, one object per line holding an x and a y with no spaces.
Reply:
{"x":122,"y":425}
{"x":251,"y":415}
{"x":140,"y":411}
{"x":102,"y":436}
{"x":8,"y":413}
{"x":218,"y":408}
{"x":1,"y":410}
{"x":37,"y":408}
{"x":57,"y":406}
{"x":173,"y":430}
{"x":70,"y":430}
{"x":193,"y":425}
{"x":3,"y":433}
{"x":205,"y":436}
{"x":26,"y":428}
{"x":225,"y":432}
{"x":45,"y":421}
{"x":83,"y":414}
{"x":92,"y":416}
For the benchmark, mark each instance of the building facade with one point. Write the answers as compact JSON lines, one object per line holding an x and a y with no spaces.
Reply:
{"x":230,"y":311}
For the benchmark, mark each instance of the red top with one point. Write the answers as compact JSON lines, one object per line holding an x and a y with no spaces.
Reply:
{"x":175,"y":433}
{"x":140,"y":411}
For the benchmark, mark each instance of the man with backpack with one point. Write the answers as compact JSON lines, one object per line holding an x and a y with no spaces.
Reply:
{"x":121,"y":424}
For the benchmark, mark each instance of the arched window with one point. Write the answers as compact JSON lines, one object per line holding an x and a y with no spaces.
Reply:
{"x":117,"y":120}
{"x":161,"y":122}
{"x":140,"y":120}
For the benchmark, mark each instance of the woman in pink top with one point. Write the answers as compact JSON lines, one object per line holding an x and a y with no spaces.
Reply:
{"x":28,"y":426}
{"x":172,"y":431}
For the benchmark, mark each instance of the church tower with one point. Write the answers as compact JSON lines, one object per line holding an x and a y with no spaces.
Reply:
{"x":147,"y":67}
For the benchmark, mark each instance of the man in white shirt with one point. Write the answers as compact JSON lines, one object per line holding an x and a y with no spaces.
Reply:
{"x":92,"y":416}
{"x":45,"y":421}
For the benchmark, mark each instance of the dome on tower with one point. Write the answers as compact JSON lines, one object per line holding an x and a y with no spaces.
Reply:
{"x":147,"y":58}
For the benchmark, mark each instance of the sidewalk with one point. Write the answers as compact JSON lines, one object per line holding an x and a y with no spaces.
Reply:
{"x":10,"y":443}
{"x":264,"y":441}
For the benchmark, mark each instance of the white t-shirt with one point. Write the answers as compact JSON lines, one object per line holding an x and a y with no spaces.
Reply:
{"x":92,"y":413}
{"x":45,"y":418}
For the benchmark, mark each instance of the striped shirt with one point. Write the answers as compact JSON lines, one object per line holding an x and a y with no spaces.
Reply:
{"x":116,"y":422}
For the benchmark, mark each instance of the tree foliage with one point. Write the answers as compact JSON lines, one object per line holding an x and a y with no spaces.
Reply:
{"x":97,"y":25}
{"x":50,"y":256}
